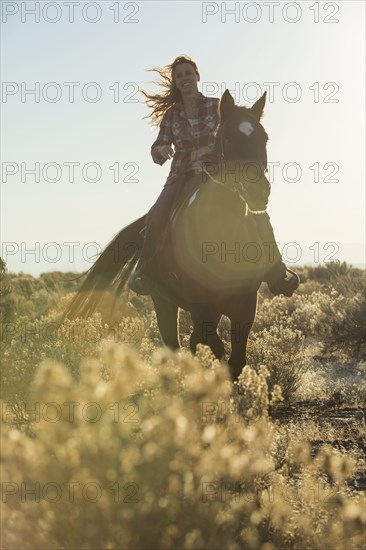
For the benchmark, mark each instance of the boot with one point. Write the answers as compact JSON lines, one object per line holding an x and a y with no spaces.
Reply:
{"x":282,"y":280}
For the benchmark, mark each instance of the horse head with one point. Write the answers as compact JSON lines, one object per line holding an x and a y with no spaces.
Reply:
{"x":240,"y":150}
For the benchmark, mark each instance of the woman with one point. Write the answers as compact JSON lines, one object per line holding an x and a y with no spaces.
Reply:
{"x":188,"y":120}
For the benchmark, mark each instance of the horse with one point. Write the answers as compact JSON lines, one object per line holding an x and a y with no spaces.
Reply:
{"x":212,"y":259}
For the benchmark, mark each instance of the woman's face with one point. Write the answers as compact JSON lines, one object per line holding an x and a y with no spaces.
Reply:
{"x":185,"y":78}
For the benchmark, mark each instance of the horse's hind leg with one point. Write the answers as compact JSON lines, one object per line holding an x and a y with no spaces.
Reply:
{"x":205,"y":322}
{"x":242,"y":320}
{"x":167,"y":318}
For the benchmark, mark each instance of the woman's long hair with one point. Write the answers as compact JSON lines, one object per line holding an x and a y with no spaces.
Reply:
{"x":160,"y":103}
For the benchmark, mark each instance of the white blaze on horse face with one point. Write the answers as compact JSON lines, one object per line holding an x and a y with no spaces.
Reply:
{"x":246,"y":128}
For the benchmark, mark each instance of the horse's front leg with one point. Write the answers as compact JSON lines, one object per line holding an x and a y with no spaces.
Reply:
{"x":205,"y":322}
{"x":167,"y":319}
{"x":242,"y":320}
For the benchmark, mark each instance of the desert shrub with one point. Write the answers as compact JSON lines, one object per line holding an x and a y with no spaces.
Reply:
{"x":33,"y":297}
{"x":142,"y":461}
{"x":281,"y":348}
{"x":4,"y":279}
{"x":348,"y":329}
{"x":313,"y":314}
{"x":5,"y":293}
{"x":343,"y":277}
{"x":337,"y":322}
{"x":25,"y":343}
{"x":253,"y":396}
{"x":159,"y":465}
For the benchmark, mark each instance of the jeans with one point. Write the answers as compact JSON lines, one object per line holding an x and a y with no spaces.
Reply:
{"x":157,"y":218}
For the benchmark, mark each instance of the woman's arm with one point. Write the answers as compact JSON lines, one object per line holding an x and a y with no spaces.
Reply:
{"x":165,"y":138}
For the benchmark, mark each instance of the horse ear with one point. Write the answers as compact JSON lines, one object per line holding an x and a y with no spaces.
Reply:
{"x":227,"y":105}
{"x":258,"y":107}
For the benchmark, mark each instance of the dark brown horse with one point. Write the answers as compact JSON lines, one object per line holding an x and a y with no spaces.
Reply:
{"x":212,"y":259}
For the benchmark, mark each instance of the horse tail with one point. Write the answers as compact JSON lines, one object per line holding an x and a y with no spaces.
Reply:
{"x":109,"y":273}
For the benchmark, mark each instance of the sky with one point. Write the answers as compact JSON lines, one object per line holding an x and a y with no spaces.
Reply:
{"x":75,"y":152}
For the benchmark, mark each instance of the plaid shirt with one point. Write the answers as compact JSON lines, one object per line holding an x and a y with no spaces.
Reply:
{"x":176,"y":129}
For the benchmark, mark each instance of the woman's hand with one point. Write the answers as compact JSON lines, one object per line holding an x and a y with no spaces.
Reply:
{"x":201,"y":152}
{"x":165,"y":152}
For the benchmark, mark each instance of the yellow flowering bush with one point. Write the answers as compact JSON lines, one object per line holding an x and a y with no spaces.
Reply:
{"x":111,"y":441}
{"x":282,"y":350}
{"x":140,"y":457}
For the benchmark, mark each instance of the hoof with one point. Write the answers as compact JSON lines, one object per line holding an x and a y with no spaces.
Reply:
{"x":235,"y":372}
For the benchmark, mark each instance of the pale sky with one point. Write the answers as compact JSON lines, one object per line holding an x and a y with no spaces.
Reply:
{"x":309,"y":55}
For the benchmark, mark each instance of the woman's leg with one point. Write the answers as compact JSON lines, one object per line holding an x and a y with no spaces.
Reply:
{"x":156,"y":223}
{"x":278,"y":278}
